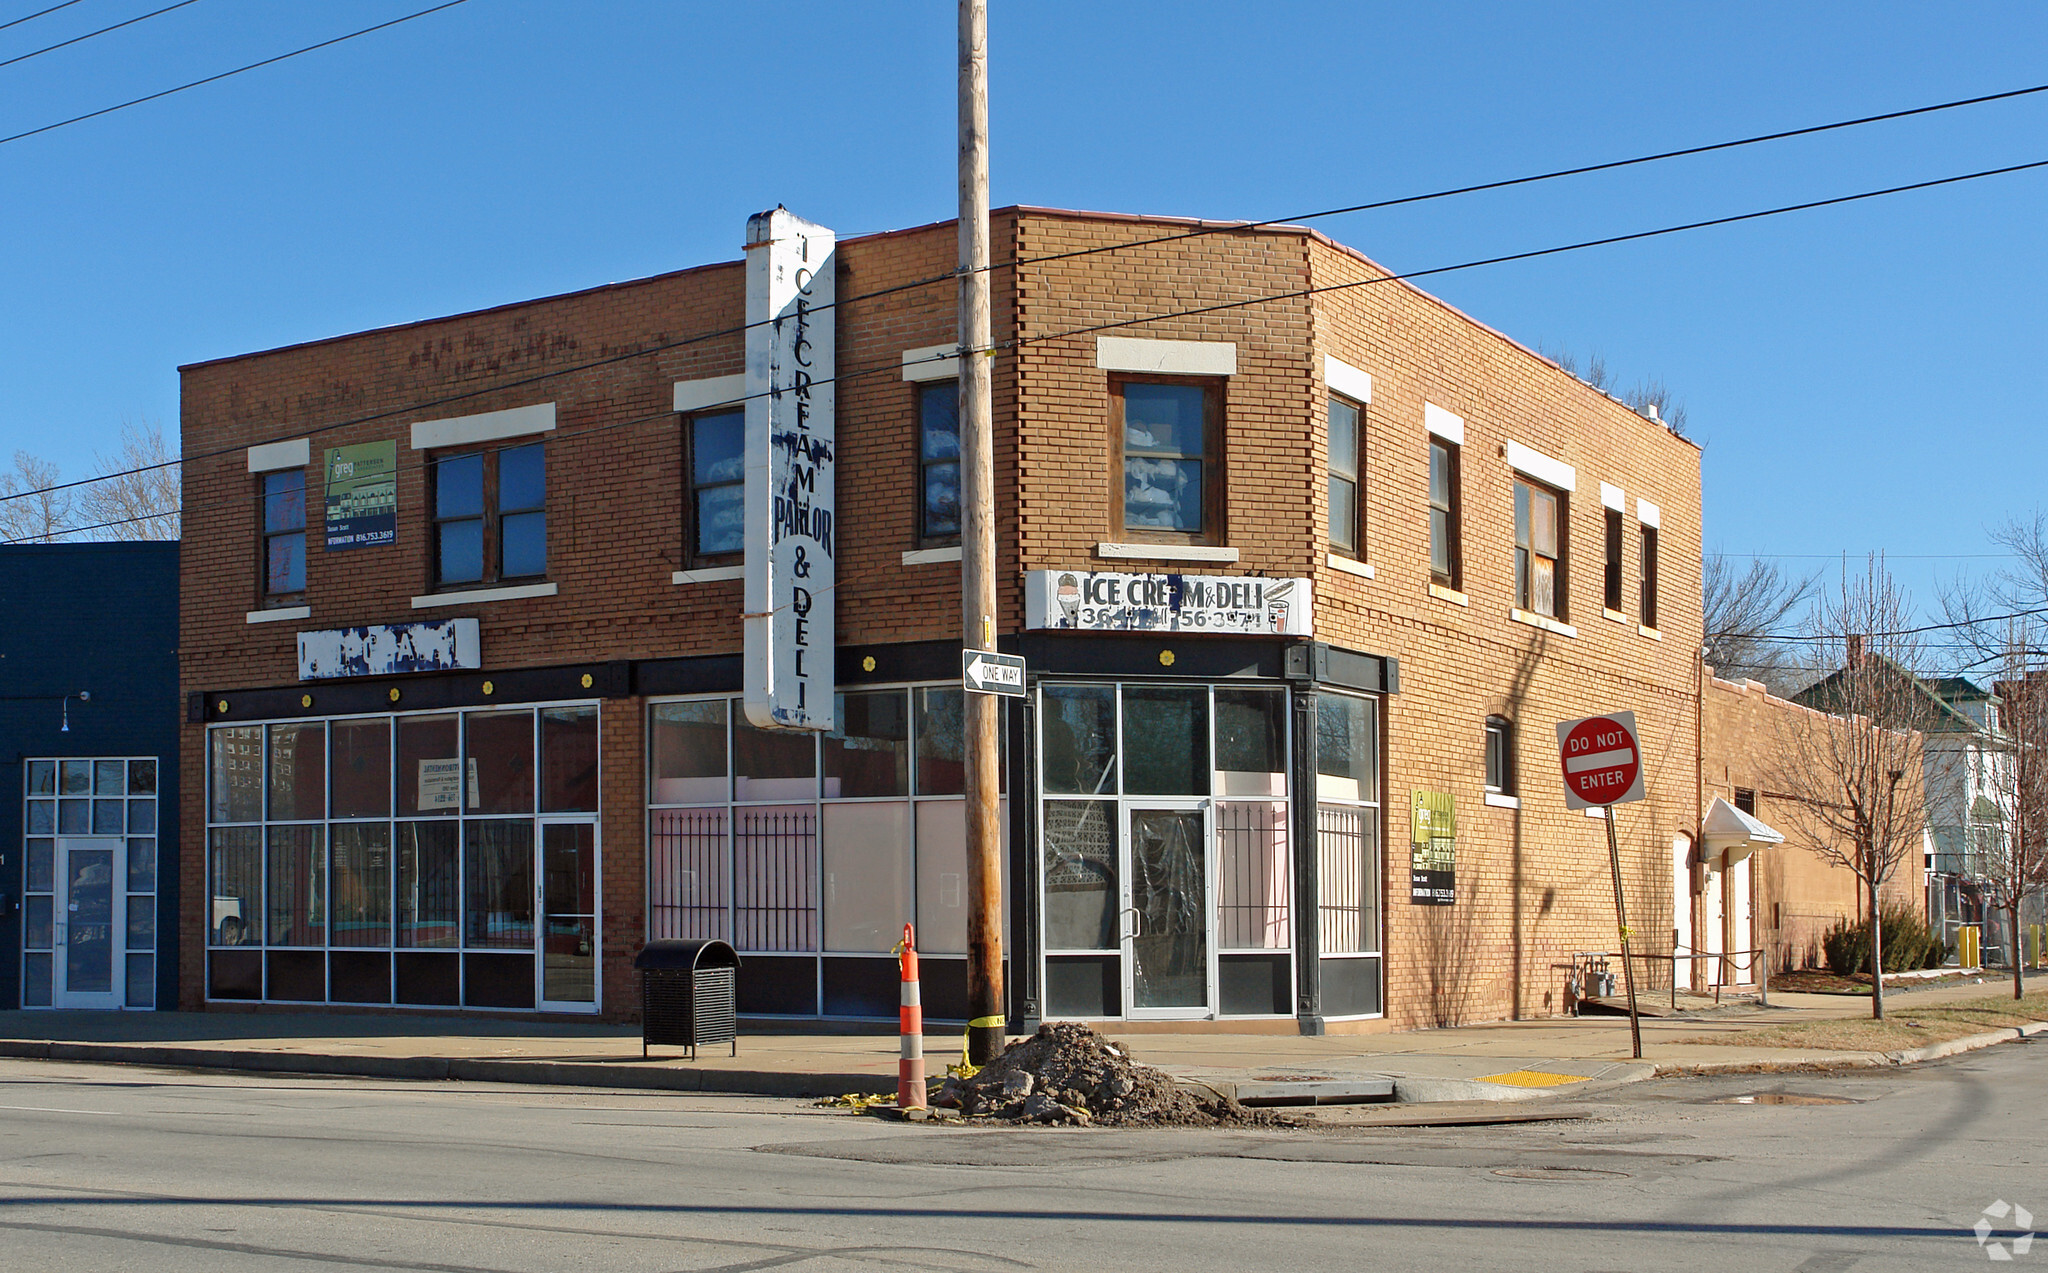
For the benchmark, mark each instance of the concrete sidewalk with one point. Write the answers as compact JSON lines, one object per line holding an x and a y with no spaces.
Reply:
{"x":1498,"y":1061}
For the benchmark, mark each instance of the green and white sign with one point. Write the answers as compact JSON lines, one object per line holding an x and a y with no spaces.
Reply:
{"x":362,"y":495}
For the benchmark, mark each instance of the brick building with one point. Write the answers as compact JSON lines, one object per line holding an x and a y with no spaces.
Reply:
{"x":1302,"y":585}
{"x":1752,"y":892}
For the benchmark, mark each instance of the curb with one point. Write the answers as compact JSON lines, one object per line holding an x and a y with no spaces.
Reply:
{"x":1859,"y":1060}
{"x":465,"y":1069}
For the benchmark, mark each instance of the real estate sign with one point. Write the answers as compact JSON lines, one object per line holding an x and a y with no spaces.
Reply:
{"x":790,"y":456}
{"x":1433,"y":850}
{"x":362,"y":495}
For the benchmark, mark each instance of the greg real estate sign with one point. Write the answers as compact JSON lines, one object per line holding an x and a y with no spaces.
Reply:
{"x":362,"y":495}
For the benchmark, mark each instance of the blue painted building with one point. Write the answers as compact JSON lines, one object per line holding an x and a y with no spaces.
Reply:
{"x":89,"y":715}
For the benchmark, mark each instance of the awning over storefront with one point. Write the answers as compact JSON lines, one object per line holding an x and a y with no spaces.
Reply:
{"x":1731,"y":835}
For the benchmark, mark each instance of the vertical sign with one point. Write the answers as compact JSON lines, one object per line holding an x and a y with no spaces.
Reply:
{"x":1433,"y":850}
{"x":789,"y":464}
{"x":362,"y":495}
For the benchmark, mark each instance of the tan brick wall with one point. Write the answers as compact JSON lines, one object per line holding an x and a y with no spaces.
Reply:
{"x":1798,"y":895}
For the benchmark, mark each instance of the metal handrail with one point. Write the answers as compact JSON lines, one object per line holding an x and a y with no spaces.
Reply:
{"x":1728,"y":960}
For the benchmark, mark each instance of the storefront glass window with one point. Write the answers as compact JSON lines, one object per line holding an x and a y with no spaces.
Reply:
{"x":688,"y":747}
{"x":499,"y":748}
{"x":1078,"y":739}
{"x":1081,"y":886}
{"x":1166,"y":740}
{"x":344,"y":904}
{"x":235,"y":783}
{"x":1347,"y":748}
{"x":297,"y":886}
{"x":499,"y":892}
{"x":941,"y":742}
{"x":868,"y":754}
{"x":428,"y":884}
{"x":362,"y":884}
{"x":361,"y":768}
{"x":297,"y":761}
{"x":772,"y":764}
{"x":429,"y":756}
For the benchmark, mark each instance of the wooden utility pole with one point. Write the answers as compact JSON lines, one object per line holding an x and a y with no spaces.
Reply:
{"x":985,"y":1031}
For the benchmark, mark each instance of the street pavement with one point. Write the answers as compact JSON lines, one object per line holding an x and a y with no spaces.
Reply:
{"x":1862,"y":1171}
{"x":1496,"y":1061}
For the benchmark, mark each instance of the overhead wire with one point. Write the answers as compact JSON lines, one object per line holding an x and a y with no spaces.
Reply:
{"x":1020,"y":342}
{"x":40,"y":13}
{"x":215,"y":79}
{"x":1217,"y":228}
{"x":80,"y":39}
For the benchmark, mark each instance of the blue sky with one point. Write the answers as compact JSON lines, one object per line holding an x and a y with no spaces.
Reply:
{"x":1869,"y":377}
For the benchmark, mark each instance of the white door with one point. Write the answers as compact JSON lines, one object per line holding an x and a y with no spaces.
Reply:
{"x":567,"y":896}
{"x":90,"y":935}
{"x":1681,"y":911}
{"x":1169,"y":939}
{"x":1741,"y":907}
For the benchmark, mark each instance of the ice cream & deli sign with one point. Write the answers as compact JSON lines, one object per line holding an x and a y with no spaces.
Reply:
{"x":1108,"y":601}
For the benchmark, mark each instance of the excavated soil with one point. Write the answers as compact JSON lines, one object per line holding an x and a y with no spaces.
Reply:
{"x":1068,"y":1074}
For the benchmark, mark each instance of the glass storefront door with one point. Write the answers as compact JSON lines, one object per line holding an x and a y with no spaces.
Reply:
{"x":1167,"y":939}
{"x":89,"y":942}
{"x":569,"y":907}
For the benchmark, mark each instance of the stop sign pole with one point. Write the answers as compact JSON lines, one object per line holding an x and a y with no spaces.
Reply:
{"x":1603,"y":767}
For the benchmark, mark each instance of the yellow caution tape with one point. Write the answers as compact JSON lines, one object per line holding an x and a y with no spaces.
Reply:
{"x":967,"y":1069}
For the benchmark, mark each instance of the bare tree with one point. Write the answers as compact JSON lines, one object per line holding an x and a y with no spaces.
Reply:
{"x":31,"y":513}
{"x":1650,"y":397}
{"x":2014,"y":865}
{"x":1997,"y":620}
{"x":1862,"y":780}
{"x":1747,"y":614}
{"x":137,"y":494}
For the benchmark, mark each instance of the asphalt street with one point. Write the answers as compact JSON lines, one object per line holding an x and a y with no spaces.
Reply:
{"x":105,"y":1167}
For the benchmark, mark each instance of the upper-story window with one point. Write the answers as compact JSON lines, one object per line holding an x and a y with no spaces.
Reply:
{"x":1347,"y":505}
{"x":1612,"y":596}
{"x":714,"y":467}
{"x":1649,"y":618}
{"x":1539,"y":549}
{"x":1169,"y":439}
{"x":938,"y":461}
{"x":284,"y":533}
{"x":1444,"y":566}
{"x":490,"y":515}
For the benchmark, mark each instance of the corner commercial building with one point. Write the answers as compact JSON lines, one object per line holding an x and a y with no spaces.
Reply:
{"x":1284,"y":573}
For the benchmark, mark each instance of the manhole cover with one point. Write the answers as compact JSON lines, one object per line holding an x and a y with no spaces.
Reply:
{"x":1559,"y":1173}
{"x":1784,"y":1098}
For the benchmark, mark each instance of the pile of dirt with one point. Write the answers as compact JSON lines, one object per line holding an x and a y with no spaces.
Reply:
{"x":1068,"y":1074}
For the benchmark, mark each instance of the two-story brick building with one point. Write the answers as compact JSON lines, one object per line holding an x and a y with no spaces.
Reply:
{"x":1304,"y":563}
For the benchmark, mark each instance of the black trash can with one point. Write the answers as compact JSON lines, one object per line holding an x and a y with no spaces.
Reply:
{"x":688,"y":994}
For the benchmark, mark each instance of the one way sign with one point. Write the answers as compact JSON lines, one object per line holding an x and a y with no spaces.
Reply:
{"x":988,"y":673}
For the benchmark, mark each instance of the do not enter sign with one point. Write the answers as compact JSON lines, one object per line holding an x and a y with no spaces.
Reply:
{"x":1602,"y":764}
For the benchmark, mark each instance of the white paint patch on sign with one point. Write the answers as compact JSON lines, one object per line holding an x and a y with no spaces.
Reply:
{"x":388,"y":649}
{"x":790,"y":497}
{"x":1108,"y":601}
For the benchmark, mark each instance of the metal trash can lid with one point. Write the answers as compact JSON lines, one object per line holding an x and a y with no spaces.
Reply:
{"x":675,"y":953}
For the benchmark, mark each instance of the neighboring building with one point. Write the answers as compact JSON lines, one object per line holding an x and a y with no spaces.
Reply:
{"x":89,"y":715}
{"x":1372,"y":551}
{"x":1969,"y":809}
{"x":1763,"y":888}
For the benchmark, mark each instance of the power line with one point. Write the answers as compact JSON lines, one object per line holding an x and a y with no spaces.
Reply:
{"x":1582,"y":170}
{"x":80,"y":39}
{"x":214,"y":79}
{"x":39,"y":14}
{"x":1063,"y":335}
{"x":1302,"y":293}
{"x":1228,"y":227}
